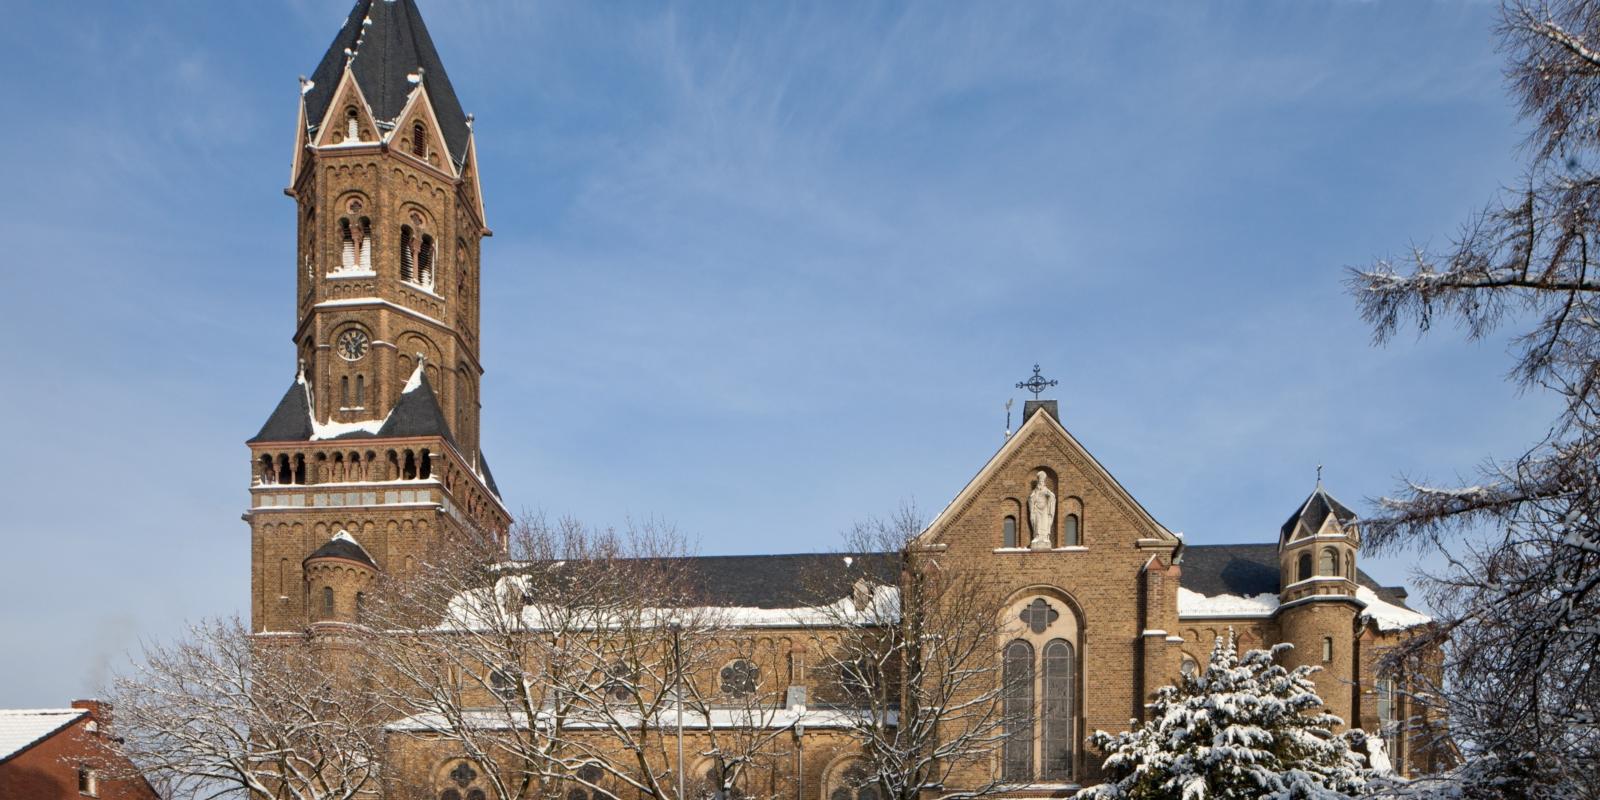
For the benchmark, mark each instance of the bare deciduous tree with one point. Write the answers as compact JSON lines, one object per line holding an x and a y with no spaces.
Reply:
{"x":1519,"y":600}
{"x":918,"y":666}
{"x":223,"y":713}
{"x":563,"y":665}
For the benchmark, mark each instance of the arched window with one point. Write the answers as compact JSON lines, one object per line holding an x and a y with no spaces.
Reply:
{"x":408,"y":255}
{"x":419,"y":140}
{"x":1069,"y":531}
{"x":719,"y":784}
{"x":1305,"y":567}
{"x":1327,"y":649}
{"x":1008,"y":529}
{"x":506,"y":683}
{"x":1350,"y":566}
{"x":1189,"y":668}
{"x":361,"y":606}
{"x":854,"y":783}
{"x":365,"y":259}
{"x":739,"y":678}
{"x":347,"y":245}
{"x":1016,"y":676}
{"x":1329,"y":564}
{"x":425,"y":262}
{"x":585,"y":782}
{"x":361,"y":391}
{"x":344,"y":391}
{"x":327,"y":601}
{"x":352,"y":125}
{"x":1059,"y":675}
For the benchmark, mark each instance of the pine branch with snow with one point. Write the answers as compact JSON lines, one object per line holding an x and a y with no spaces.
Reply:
{"x":1511,"y":661}
{"x":1245,"y":727}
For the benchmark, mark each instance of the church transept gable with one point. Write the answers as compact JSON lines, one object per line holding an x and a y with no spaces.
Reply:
{"x":1043,"y":491}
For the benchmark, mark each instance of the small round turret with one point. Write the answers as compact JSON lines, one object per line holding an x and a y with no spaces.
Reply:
{"x":1317,"y":549}
{"x":1317,"y":595}
{"x":338,"y":576}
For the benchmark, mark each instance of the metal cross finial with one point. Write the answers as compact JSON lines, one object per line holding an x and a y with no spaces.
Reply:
{"x":1036,"y":384}
{"x":1319,"y":474}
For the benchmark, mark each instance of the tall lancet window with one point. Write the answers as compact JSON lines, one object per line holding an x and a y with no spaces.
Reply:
{"x":1017,"y":679}
{"x":352,"y":125}
{"x":1058,"y":705}
{"x":1039,"y":689}
{"x":419,"y":140}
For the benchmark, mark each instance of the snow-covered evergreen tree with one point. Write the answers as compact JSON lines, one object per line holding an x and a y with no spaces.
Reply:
{"x":1245,"y":727}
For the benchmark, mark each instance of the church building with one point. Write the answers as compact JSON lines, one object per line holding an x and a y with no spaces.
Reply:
{"x":374,"y":455}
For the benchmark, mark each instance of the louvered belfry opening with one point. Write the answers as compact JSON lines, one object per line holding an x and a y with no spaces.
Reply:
{"x":366,"y":245}
{"x":347,"y":245}
{"x":408,"y":255}
{"x":419,"y":140}
{"x":425,"y":262}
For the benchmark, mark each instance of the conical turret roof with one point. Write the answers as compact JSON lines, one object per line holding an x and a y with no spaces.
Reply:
{"x":1313,"y":512}
{"x":344,"y":546}
{"x":386,"y":46}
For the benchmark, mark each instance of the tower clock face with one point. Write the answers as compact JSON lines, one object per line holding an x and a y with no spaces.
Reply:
{"x":352,"y":345}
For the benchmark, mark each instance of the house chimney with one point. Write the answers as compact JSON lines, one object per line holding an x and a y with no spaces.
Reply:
{"x":99,"y":711}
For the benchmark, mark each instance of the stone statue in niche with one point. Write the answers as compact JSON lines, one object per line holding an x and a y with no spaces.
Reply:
{"x":1041,"y":511}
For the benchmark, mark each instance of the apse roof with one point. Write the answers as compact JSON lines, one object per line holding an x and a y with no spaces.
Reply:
{"x":343,"y":545}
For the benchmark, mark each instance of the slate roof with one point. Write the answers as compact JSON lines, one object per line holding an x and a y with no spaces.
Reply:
{"x":290,"y":421}
{"x":1247,"y":570}
{"x":391,"y":47}
{"x":22,"y":728}
{"x":801,"y":579}
{"x":488,"y":477}
{"x":1314,"y":511}
{"x":417,"y":414}
{"x":792,"y":580}
{"x":343,"y":546}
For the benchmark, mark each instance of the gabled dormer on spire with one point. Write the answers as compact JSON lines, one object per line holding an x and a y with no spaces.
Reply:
{"x":387,"y":52}
{"x":1317,"y":548}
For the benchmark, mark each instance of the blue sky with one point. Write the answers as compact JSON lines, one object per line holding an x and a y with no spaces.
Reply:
{"x":759,"y":270}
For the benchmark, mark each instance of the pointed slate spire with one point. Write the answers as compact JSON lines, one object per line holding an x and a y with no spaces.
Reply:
{"x":291,"y":420}
{"x":387,"y":48}
{"x":1314,"y":511}
{"x":418,"y":412}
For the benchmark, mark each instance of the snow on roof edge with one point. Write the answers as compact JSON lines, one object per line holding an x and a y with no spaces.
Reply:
{"x":22,"y":728}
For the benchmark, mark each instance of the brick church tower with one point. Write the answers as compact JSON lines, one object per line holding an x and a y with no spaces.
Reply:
{"x":372,"y":456}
